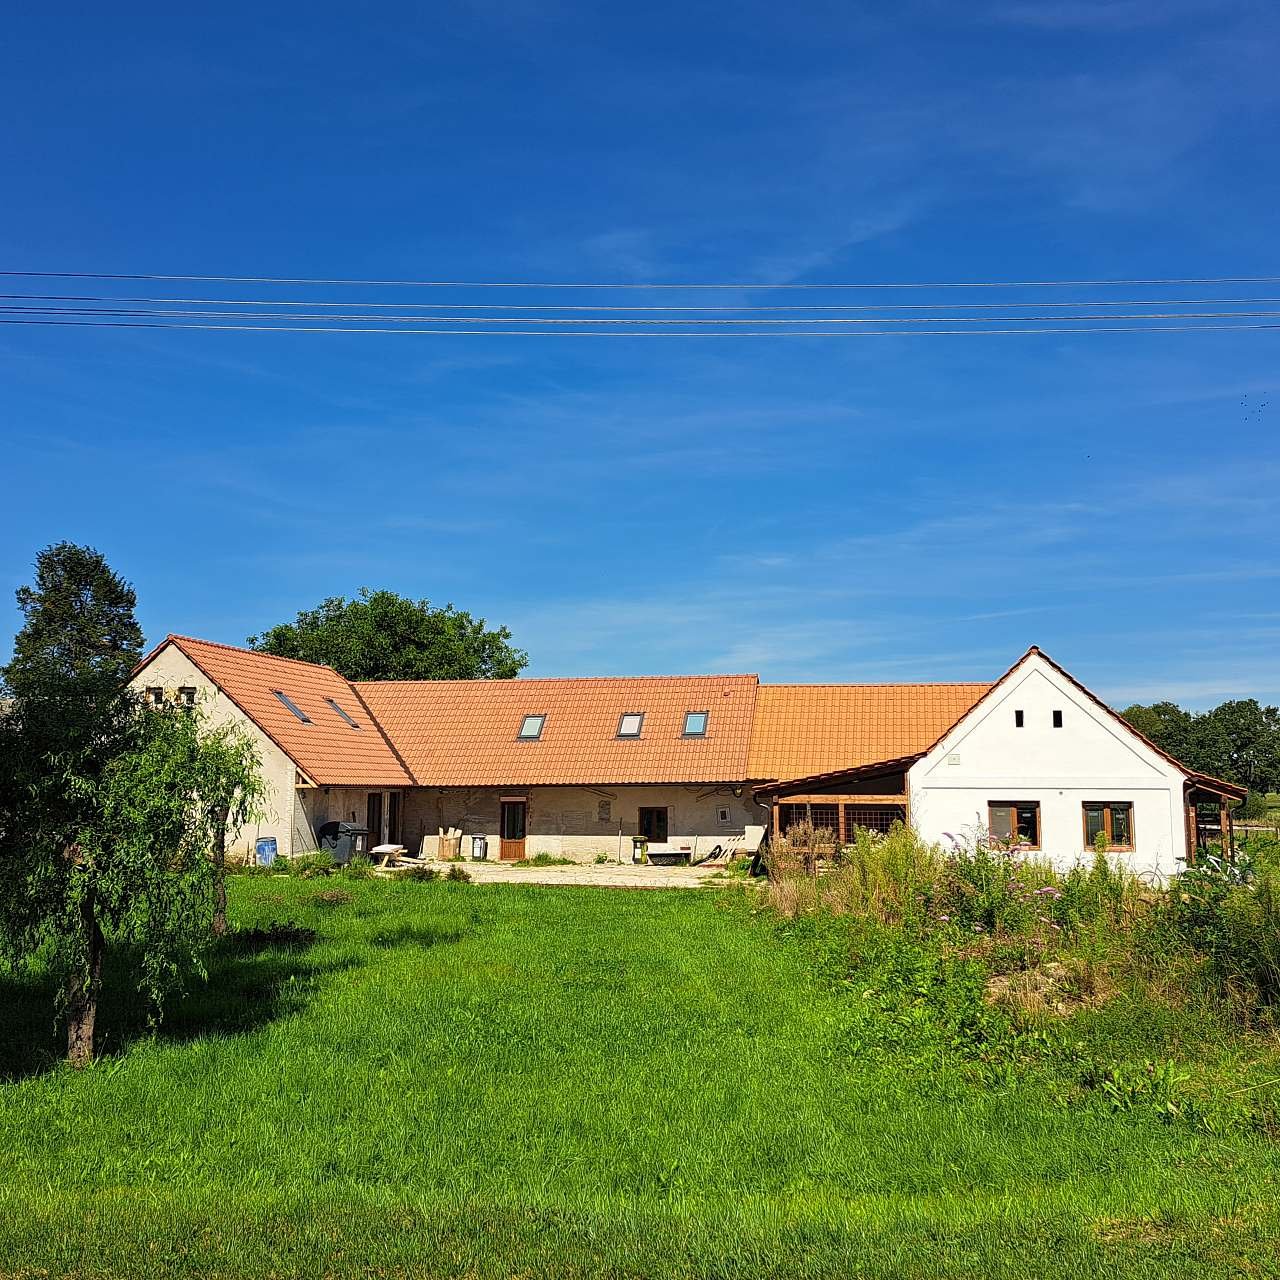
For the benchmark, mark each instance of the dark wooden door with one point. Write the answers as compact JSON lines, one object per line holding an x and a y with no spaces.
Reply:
{"x":393,"y":818}
{"x":512,"y":830}
{"x":373,"y":818}
{"x":653,"y":825}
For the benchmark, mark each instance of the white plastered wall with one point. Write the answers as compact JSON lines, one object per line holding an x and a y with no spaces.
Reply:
{"x":986,"y":758}
{"x":285,"y":817}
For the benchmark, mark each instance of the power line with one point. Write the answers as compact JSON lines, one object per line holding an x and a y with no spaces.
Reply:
{"x":688,"y":322}
{"x":666,"y":307}
{"x":617,"y":333}
{"x":548,"y":284}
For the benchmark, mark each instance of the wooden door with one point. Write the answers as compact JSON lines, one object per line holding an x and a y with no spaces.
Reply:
{"x":373,"y":818}
{"x":393,"y":817}
{"x":511,"y":830}
{"x":653,"y":825}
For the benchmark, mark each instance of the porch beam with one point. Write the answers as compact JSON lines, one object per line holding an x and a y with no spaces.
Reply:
{"x":827,"y":798}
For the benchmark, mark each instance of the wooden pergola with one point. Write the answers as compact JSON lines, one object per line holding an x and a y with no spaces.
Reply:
{"x":1201,"y":792}
{"x":876,"y":792}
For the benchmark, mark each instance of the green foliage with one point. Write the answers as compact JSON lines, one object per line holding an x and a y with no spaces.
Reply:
{"x":1159,"y":1086}
{"x":70,"y":715}
{"x":1254,"y":807}
{"x":1230,"y":911}
{"x":148,"y":857}
{"x":79,"y":639}
{"x":458,"y":875}
{"x":1238,"y":740}
{"x":112,"y":818}
{"x":547,"y":860}
{"x":307,"y":865}
{"x":1167,"y":725}
{"x":382,"y":636}
{"x":419,"y":873}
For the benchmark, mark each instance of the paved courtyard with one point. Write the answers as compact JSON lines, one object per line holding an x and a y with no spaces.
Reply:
{"x":611,"y":875}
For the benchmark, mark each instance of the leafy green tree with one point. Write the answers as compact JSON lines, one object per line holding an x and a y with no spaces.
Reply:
{"x":1240,"y":741}
{"x":383,"y":636}
{"x":1165,"y":724}
{"x":109,"y":813}
{"x":1254,"y":807}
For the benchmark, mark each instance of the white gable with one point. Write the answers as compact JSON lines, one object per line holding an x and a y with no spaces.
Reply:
{"x":1093,"y":758}
{"x":1090,"y":745}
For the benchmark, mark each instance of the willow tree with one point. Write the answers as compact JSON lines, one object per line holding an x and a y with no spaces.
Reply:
{"x":110,"y":814}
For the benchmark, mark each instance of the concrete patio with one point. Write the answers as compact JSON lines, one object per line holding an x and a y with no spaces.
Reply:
{"x":606,"y":875}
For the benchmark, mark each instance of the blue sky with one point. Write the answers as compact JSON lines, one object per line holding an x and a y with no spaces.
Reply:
{"x":832,"y":509}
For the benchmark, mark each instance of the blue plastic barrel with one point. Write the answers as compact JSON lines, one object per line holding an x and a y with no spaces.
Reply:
{"x":266,"y":848}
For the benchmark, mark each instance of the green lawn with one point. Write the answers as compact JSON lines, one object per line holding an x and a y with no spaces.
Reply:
{"x":486,"y":1081}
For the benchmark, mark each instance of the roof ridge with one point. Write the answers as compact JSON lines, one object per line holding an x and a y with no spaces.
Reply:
{"x":879,"y":684}
{"x":511,"y":680}
{"x":255,"y":653}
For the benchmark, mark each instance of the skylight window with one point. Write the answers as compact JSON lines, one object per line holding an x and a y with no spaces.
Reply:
{"x":695,"y":724}
{"x":342,"y":713}
{"x":630,"y":724}
{"x":287,"y":701}
{"x":531,"y":728}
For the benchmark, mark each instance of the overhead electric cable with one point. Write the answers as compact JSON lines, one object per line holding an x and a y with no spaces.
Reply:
{"x":668,"y":308}
{"x":690,"y":322}
{"x":620,"y":333}
{"x":631,"y":284}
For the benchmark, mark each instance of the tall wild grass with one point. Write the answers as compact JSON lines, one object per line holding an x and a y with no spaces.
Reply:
{"x":1216,"y":925}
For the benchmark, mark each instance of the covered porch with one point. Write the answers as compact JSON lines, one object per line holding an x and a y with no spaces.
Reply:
{"x":870,"y":797}
{"x":1208,"y":805}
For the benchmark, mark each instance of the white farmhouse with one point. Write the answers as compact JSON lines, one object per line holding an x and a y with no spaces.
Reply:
{"x":575,"y":767}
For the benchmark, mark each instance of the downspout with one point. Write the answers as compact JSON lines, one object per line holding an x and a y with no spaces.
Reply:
{"x":757,"y":862}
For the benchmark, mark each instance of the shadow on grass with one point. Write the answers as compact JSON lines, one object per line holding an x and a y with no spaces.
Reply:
{"x":255,"y":977}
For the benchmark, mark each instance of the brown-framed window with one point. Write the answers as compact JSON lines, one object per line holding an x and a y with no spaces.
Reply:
{"x":187,"y":697}
{"x":1111,"y":818}
{"x":155,"y":696}
{"x":1014,"y":821}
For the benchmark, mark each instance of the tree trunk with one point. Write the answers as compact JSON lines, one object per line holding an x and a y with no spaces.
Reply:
{"x":220,"y":873}
{"x":85,"y":986}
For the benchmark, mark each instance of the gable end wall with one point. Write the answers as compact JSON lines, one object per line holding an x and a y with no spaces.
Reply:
{"x":1092,"y":757}
{"x":285,"y":817}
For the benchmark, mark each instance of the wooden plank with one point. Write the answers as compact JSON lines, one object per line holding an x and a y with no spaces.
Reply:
{"x":833,"y":798}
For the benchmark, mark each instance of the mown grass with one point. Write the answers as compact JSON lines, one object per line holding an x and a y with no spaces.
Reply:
{"x":470,"y":1080}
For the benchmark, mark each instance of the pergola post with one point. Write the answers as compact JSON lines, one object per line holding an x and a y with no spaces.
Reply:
{"x":1224,"y":825}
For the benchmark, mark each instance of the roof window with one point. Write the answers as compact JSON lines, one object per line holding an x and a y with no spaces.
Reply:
{"x":531,"y":728}
{"x":340,"y":711}
{"x":287,"y":701}
{"x":695,"y":724}
{"x":630,"y":724}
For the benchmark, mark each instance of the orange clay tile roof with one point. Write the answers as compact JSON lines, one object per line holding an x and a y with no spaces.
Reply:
{"x":463,"y":733}
{"x":807,"y":729}
{"x":328,"y":750}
